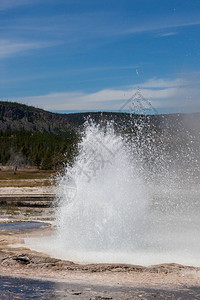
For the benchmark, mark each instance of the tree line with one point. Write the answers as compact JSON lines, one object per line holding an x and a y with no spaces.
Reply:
{"x":46,"y":151}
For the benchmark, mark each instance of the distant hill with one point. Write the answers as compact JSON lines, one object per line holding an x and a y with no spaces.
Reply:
{"x":31,"y":136}
{"x":38,"y":137}
{"x":15,"y":116}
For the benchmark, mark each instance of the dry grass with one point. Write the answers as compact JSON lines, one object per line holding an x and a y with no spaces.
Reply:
{"x":26,"y":178}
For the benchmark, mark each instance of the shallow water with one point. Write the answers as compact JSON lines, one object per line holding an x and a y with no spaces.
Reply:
{"x":22,"y":225}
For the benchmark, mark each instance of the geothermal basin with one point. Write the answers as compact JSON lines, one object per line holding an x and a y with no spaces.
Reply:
{"x":112,"y":210}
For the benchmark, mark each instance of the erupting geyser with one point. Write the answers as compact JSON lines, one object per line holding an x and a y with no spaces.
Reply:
{"x":130,"y":198}
{"x":102,"y":197}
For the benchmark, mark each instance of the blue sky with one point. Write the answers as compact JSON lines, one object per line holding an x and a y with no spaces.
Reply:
{"x":93,"y":54}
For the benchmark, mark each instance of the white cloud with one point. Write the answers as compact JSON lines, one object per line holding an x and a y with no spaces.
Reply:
{"x":166,"y":34}
{"x":161,"y":25}
{"x":8,"y":4}
{"x":168,"y":94}
{"x":78,"y":27}
{"x":10,"y":48}
{"x":83,"y":31}
{"x":164,"y":83}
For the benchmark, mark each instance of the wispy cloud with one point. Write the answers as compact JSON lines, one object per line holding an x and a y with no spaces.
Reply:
{"x":166,"y":34}
{"x":85,"y":30}
{"x":10,"y":48}
{"x":160,"y":83}
{"x":8,"y":4}
{"x":159,"y":26}
{"x":84,"y":26}
{"x":168,"y":94}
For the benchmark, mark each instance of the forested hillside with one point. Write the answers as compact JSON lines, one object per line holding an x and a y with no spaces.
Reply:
{"x":26,"y":148}
{"x":15,"y":116}
{"x":33,"y":137}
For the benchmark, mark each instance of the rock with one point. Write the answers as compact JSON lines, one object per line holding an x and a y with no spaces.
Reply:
{"x":22,"y":259}
{"x":12,"y":260}
{"x":76,"y":293}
